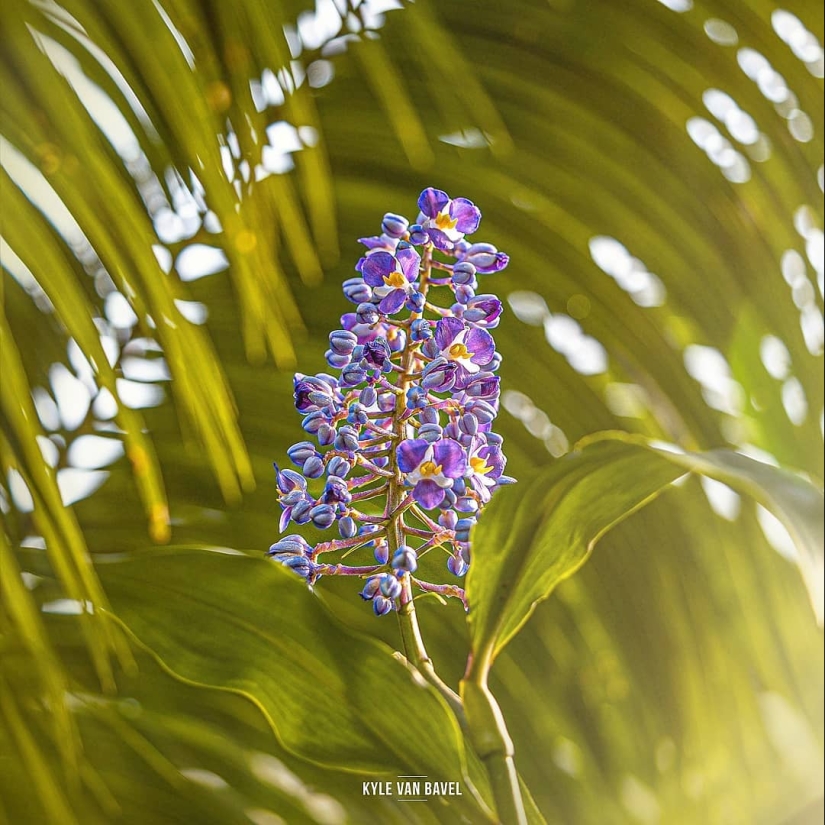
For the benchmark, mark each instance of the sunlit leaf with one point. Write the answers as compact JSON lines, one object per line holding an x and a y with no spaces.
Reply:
{"x":268,"y":639}
{"x":532,"y":540}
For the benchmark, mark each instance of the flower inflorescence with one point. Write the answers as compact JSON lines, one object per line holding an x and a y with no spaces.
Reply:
{"x":403,"y":457}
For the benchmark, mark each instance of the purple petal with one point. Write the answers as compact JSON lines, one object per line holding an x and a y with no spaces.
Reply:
{"x":440,"y":240}
{"x":411,"y":453}
{"x":481,"y":344}
{"x":450,"y":456}
{"x":446,"y":330}
{"x":462,"y":377}
{"x":483,"y":309}
{"x":392,"y":302}
{"x":483,"y":386}
{"x":494,"y":457}
{"x":432,"y":201}
{"x":500,"y":262}
{"x":282,"y":525}
{"x":373,"y":242}
{"x":439,"y":375}
{"x":428,"y":494}
{"x":409,"y":261}
{"x":376,"y":266}
{"x":467,"y":214}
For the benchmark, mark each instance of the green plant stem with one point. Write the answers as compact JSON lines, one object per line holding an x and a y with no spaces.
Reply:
{"x":491,"y":740}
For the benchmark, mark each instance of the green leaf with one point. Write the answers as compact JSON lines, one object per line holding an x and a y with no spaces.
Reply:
{"x":530,"y":541}
{"x":244,"y":625}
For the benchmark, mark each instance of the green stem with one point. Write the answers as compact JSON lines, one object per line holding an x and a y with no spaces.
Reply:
{"x":492,"y":742}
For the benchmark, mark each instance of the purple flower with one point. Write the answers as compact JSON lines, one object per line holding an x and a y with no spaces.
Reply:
{"x":312,"y":393}
{"x":392,"y":277}
{"x":447,"y":221}
{"x":431,"y":468}
{"x":485,"y":258}
{"x":439,"y":375}
{"x":417,"y":394}
{"x":469,"y":348}
{"x":484,"y":468}
{"x":292,"y":491}
{"x":483,"y":311}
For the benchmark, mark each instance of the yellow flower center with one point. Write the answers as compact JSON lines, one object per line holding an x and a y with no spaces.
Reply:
{"x":429,"y":468}
{"x":395,"y":279}
{"x":444,"y":221}
{"x":480,"y":466}
{"x":459,"y":351}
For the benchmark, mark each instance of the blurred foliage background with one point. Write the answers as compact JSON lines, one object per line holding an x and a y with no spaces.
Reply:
{"x":182,"y":186}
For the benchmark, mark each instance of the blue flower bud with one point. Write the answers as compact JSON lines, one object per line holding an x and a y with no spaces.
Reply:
{"x":370,"y":588}
{"x":336,"y":360}
{"x":300,"y":512}
{"x":486,"y":258}
{"x":356,"y":291}
{"x":368,"y":396}
{"x":439,"y":375}
{"x":420,"y":330}
{"x":347,"y":527}
{"x":464,"y":273}
{"x":313,"y":467}
{"x":300,"y":452}
{"x":291,"y":498}
{"x":394,"y":225}
{"x":429,"y":349}
{"x":463,"y":527}
{"x":342,"y":341}
{"x":457,"y":566}
{"x":468,"y":423}
{"x":347,"y":439}
{"x":405,"y":560}
{"x":381,"y":552}
{"x":320,"y":397}
{"x":429,"y":415}
{"x":390,"y":586}
{"x":336,"y":491}
{"x":322,"y":516}
{"x":495,"y":362}
{"x":418,"y":236}
{"x":367,"y":314}
{"x":353,"y":374}
{"x":381,"y":606}
{"x":313,"y":420}
{"x":386,"y":402}
{"x":338,"y":466}
{"x":465,"y":504}
{"x":325,"y":435}
{"x":415,"y":302}
{"x":300,"y":565}
{"x":483,"y":411}
{"x":464,"y":293}
{"x":448,"y":519}
{"x":398,"y":340}
{"x":416,"y":398}
{"x":493,"y":438}
{"x":294,"y":545}
{"x":430,"y":432}
{"x":449,"y":500}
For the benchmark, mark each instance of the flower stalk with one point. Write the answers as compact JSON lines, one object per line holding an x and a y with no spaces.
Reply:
{"x":405,"y":432}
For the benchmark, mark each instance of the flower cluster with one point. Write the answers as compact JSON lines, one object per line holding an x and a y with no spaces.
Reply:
{"x":403,"y":456}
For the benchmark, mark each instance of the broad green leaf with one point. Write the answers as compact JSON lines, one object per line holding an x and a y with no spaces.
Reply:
{"x":245,"y":625}
{"x":530,"y":541}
